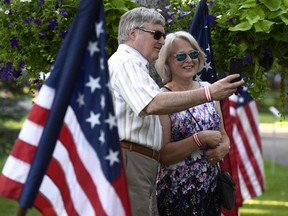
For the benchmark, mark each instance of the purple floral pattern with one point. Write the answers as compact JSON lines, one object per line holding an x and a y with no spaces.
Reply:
{"x":189,"y":187}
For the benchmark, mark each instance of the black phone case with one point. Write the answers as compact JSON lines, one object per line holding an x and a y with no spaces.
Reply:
{"x":235,"y":67}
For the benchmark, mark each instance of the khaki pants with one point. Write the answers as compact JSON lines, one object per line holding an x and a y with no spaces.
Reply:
{"x":141,"y":174}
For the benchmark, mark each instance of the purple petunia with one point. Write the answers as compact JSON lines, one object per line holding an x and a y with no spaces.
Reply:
{"x":4,"y":75}
{"x":230,"y":20}
{"x":63,"y":12}
{"x":6,"y":1}
{"x":64,"y":33}
{"x":41,"y":2}
{"x":53,"y":23}
{"x":27,"y":21}
{"x":17,"y":73}
{"x":8,"y":66}
{"x":22,"y":64}
{"x":41,"y":36}
{"x":248,"y":59}
{"x":14,"y":42}
{"x":212,"y":19}
{"x":37,"y":22}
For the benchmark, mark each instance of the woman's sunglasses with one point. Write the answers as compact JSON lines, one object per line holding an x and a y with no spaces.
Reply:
{"x":182,"y":56}
{"x":157,"y":34}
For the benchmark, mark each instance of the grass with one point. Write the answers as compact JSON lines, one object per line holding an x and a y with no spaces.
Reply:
{"x":10,"y":207}
{"x":274,"y":201}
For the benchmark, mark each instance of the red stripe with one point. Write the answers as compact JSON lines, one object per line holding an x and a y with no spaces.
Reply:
{"x":121,"y":188}
{"x":57,"y":175}
{"x":253,"y":124}
{"x":44,"y":205}
{"x":256,"y":135}
{"x":230,"y":160}
{"x":38,"y":115}
{"x":23,"y":151}
{"x":83,"y":176}
{"x":10,"y":188}
{"x":250,"y":155}
{"x":26,"y":152}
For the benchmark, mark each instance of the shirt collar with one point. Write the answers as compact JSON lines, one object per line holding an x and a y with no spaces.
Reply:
{"x":134,"y":52}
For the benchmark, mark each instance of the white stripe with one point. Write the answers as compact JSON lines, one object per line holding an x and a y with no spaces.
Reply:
{"x":244,"y":157}
{"x":31,"y":132}
{"x":79,"y":198}
{"x":45,"y":97}
{"x":243,"y":188}
{"x":51,"y":192}
{"x":16,"y":169}
{"x":257,"y":155}
{"x":92,"y":164}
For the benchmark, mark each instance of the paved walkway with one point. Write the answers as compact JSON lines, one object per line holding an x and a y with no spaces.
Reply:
{"x":275,"y":142}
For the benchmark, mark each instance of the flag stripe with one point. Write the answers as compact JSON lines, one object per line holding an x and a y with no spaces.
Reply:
{"x":253,"y":144}
{"x":240,"y":113}
{"x":85,"y":179}
{"x":249,"y":152}
{"x":91,"y":162}
{"x":67,"y":155}
{"x":44,"y":205}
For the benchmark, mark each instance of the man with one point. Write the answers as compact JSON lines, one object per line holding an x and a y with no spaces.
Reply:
{"x":138,"y":101}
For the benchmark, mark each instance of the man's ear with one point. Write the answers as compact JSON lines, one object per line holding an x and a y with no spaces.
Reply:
{"x":132,"y":34}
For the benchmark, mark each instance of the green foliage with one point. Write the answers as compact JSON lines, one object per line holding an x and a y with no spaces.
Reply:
{"x":32,"y":32}
{"x":113,"y":11}
{"x":255,"y":30}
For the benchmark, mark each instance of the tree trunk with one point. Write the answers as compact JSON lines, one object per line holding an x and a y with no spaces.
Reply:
{"x":156,"y":4}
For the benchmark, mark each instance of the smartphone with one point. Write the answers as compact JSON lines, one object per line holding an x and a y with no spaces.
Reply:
{"x":235,"y":67}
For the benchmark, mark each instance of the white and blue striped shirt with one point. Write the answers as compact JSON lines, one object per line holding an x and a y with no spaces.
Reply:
{"x":133,"y":89}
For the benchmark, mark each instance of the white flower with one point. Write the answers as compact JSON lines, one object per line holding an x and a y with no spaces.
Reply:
{"x":7,"y":12}
{"x":25,"y":0}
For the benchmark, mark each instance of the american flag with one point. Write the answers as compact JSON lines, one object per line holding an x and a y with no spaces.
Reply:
{"x":67,"y":159}
{"x":245,"y":160}
{"x":246,"y":138}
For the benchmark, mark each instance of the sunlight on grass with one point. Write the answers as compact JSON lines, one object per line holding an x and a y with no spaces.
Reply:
{"x":12,"y":124}
{"x":266,"y":202}
{"x":256,"y":212}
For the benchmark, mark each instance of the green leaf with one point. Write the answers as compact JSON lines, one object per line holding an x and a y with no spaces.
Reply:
{"x":248,"y":4}
{"x":275,"y":14}
{"x":263,"y":26}
{"x":281,"y":36}
{"x":284,"y":19}
{"x":243,"y":26}
{"x":255,"y":14}
{"x":272,"y":5}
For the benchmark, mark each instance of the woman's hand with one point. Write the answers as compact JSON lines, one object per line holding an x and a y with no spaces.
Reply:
{"x":217,"y":154}
{"x":211,"y":139}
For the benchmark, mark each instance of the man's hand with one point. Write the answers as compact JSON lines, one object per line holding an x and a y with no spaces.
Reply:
{"x":223,"y":88}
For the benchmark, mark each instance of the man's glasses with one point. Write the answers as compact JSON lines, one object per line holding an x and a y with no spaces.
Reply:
{"x":157,"y":34}
{"x":182,"y":56}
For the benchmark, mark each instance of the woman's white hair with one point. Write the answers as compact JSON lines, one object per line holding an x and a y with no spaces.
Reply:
{"x":162,"y":62}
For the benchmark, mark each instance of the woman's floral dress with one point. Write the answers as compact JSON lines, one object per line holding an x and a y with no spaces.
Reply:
{"x":189,"y":187}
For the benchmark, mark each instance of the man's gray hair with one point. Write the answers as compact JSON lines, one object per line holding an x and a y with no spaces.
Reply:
{"x":137,"y":17}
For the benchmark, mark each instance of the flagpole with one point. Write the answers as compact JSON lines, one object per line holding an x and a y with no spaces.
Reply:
{"x":21,"y":211}
{"x":52,"y":128}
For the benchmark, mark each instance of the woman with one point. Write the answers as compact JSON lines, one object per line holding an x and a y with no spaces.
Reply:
{"x":194,"y":140}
